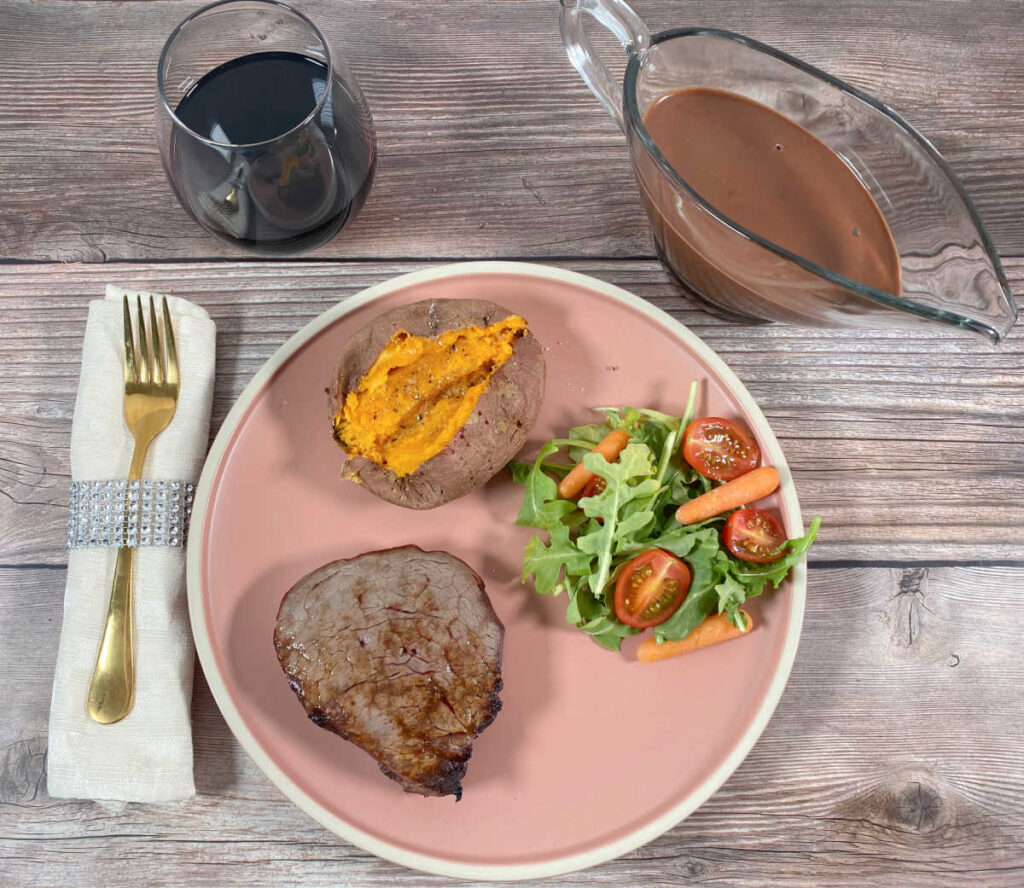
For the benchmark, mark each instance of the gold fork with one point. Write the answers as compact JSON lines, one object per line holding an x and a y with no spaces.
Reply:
{"x":150,"y":397}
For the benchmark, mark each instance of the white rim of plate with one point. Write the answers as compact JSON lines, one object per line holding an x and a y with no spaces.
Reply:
{"x":439,"y":865}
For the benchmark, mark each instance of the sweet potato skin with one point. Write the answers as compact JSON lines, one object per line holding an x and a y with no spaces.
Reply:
{"x":494,"y":433}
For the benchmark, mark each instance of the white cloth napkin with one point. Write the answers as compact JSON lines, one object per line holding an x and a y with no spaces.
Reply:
{"x":147,"y":756}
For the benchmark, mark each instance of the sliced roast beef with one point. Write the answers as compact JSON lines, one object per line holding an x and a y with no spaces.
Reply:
{"x":398,"y":651}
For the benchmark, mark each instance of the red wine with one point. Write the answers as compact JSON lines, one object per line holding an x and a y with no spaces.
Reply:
{"x":285,"y":174}
{"x":254,"y":98}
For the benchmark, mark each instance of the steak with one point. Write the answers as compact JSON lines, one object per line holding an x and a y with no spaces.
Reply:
{"x":398,"y":651}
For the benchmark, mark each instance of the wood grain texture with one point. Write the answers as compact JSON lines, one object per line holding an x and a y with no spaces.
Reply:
{"x":909,"y":445}
{"x":892,"y":759}
{"x":490,"y":143}
{"x":894,"y":756}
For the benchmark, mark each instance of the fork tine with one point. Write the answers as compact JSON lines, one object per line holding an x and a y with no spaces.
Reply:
{"x":172,"y":352}
{"x":143,"y":344}
{"x":158,"y":352}
{"x":130,"y":373}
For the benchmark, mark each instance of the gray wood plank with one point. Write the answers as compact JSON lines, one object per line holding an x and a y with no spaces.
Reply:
{"x":892,"y":759}
{"x":490,"y":144}
{"x":909,"y":445}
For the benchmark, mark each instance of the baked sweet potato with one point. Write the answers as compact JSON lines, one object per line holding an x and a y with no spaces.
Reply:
{"x":494,"y":430}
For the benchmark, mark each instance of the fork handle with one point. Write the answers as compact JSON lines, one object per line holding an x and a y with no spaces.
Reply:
{"x":112,"y":691}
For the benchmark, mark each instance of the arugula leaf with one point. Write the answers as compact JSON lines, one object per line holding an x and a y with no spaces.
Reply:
{"x":541,"y":506}
{"x":687,"y":484}
{"x":612,"y":642}
{"x":601,"y":625}
{"x":634,"y":463}
{"x":584,"y":439}
{"x":681,"y":542}
{"x":590,"y":608}
{"x":672,"y":422}
{"x":755,"y":577}
{"x":598,"y":621}
{"x":739,"y":620}
{"x":696,"y":607}
{"x":547,"y":563}
{"x":608,"y":631}
{"x":593,"y":540}
{"x":520,"y":471}
{"x":635,"y":522}
{"x":589,"y":434}
{"x":575,"y":520}
{"x":702,"y":598}
{"x":731,"y":595}
{"x":573,"y":616}
{"x":641,"y":519}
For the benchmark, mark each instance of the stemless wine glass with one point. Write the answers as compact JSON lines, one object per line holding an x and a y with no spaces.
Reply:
{"x":264,"y":134}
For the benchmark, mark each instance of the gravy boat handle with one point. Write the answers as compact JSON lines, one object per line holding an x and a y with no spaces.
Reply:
{"x":628,"y":29}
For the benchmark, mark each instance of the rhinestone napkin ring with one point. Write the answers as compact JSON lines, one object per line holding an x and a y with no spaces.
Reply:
{"x":129,"y":513}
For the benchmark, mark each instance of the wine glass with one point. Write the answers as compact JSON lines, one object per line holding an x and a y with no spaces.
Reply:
{"x":264,"y":135}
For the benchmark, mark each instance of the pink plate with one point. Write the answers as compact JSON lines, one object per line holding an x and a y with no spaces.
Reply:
{"x":593,"y":753}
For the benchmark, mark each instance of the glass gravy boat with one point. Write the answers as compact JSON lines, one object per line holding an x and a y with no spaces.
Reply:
{"x":950,"y":273}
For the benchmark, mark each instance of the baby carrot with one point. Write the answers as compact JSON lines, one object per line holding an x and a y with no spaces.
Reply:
{"x":714,"y":629}
{"x":610,"y":446}
{"x":731,"y":495}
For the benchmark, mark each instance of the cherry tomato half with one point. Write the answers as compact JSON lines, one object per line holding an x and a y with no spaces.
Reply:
{"x":651,"y":588}
{"x":594,"y":486}
{"x":720,"y":449}
{"x":754,"y":535}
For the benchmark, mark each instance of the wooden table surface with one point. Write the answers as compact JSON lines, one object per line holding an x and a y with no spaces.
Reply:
{"x":894,"y":757}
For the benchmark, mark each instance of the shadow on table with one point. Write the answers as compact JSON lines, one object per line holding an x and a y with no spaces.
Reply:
{"x":214,"y":744}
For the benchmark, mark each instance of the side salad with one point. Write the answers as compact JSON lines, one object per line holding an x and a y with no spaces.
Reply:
{"x":647,"y":527}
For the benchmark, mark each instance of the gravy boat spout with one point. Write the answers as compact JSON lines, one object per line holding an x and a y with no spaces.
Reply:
{"x":948,"y":270}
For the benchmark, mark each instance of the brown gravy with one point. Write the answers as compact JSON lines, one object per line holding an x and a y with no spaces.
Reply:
{"x":774,"y":178}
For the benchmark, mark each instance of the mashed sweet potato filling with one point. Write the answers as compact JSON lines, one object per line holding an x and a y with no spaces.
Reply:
{"x":419,"y":392}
